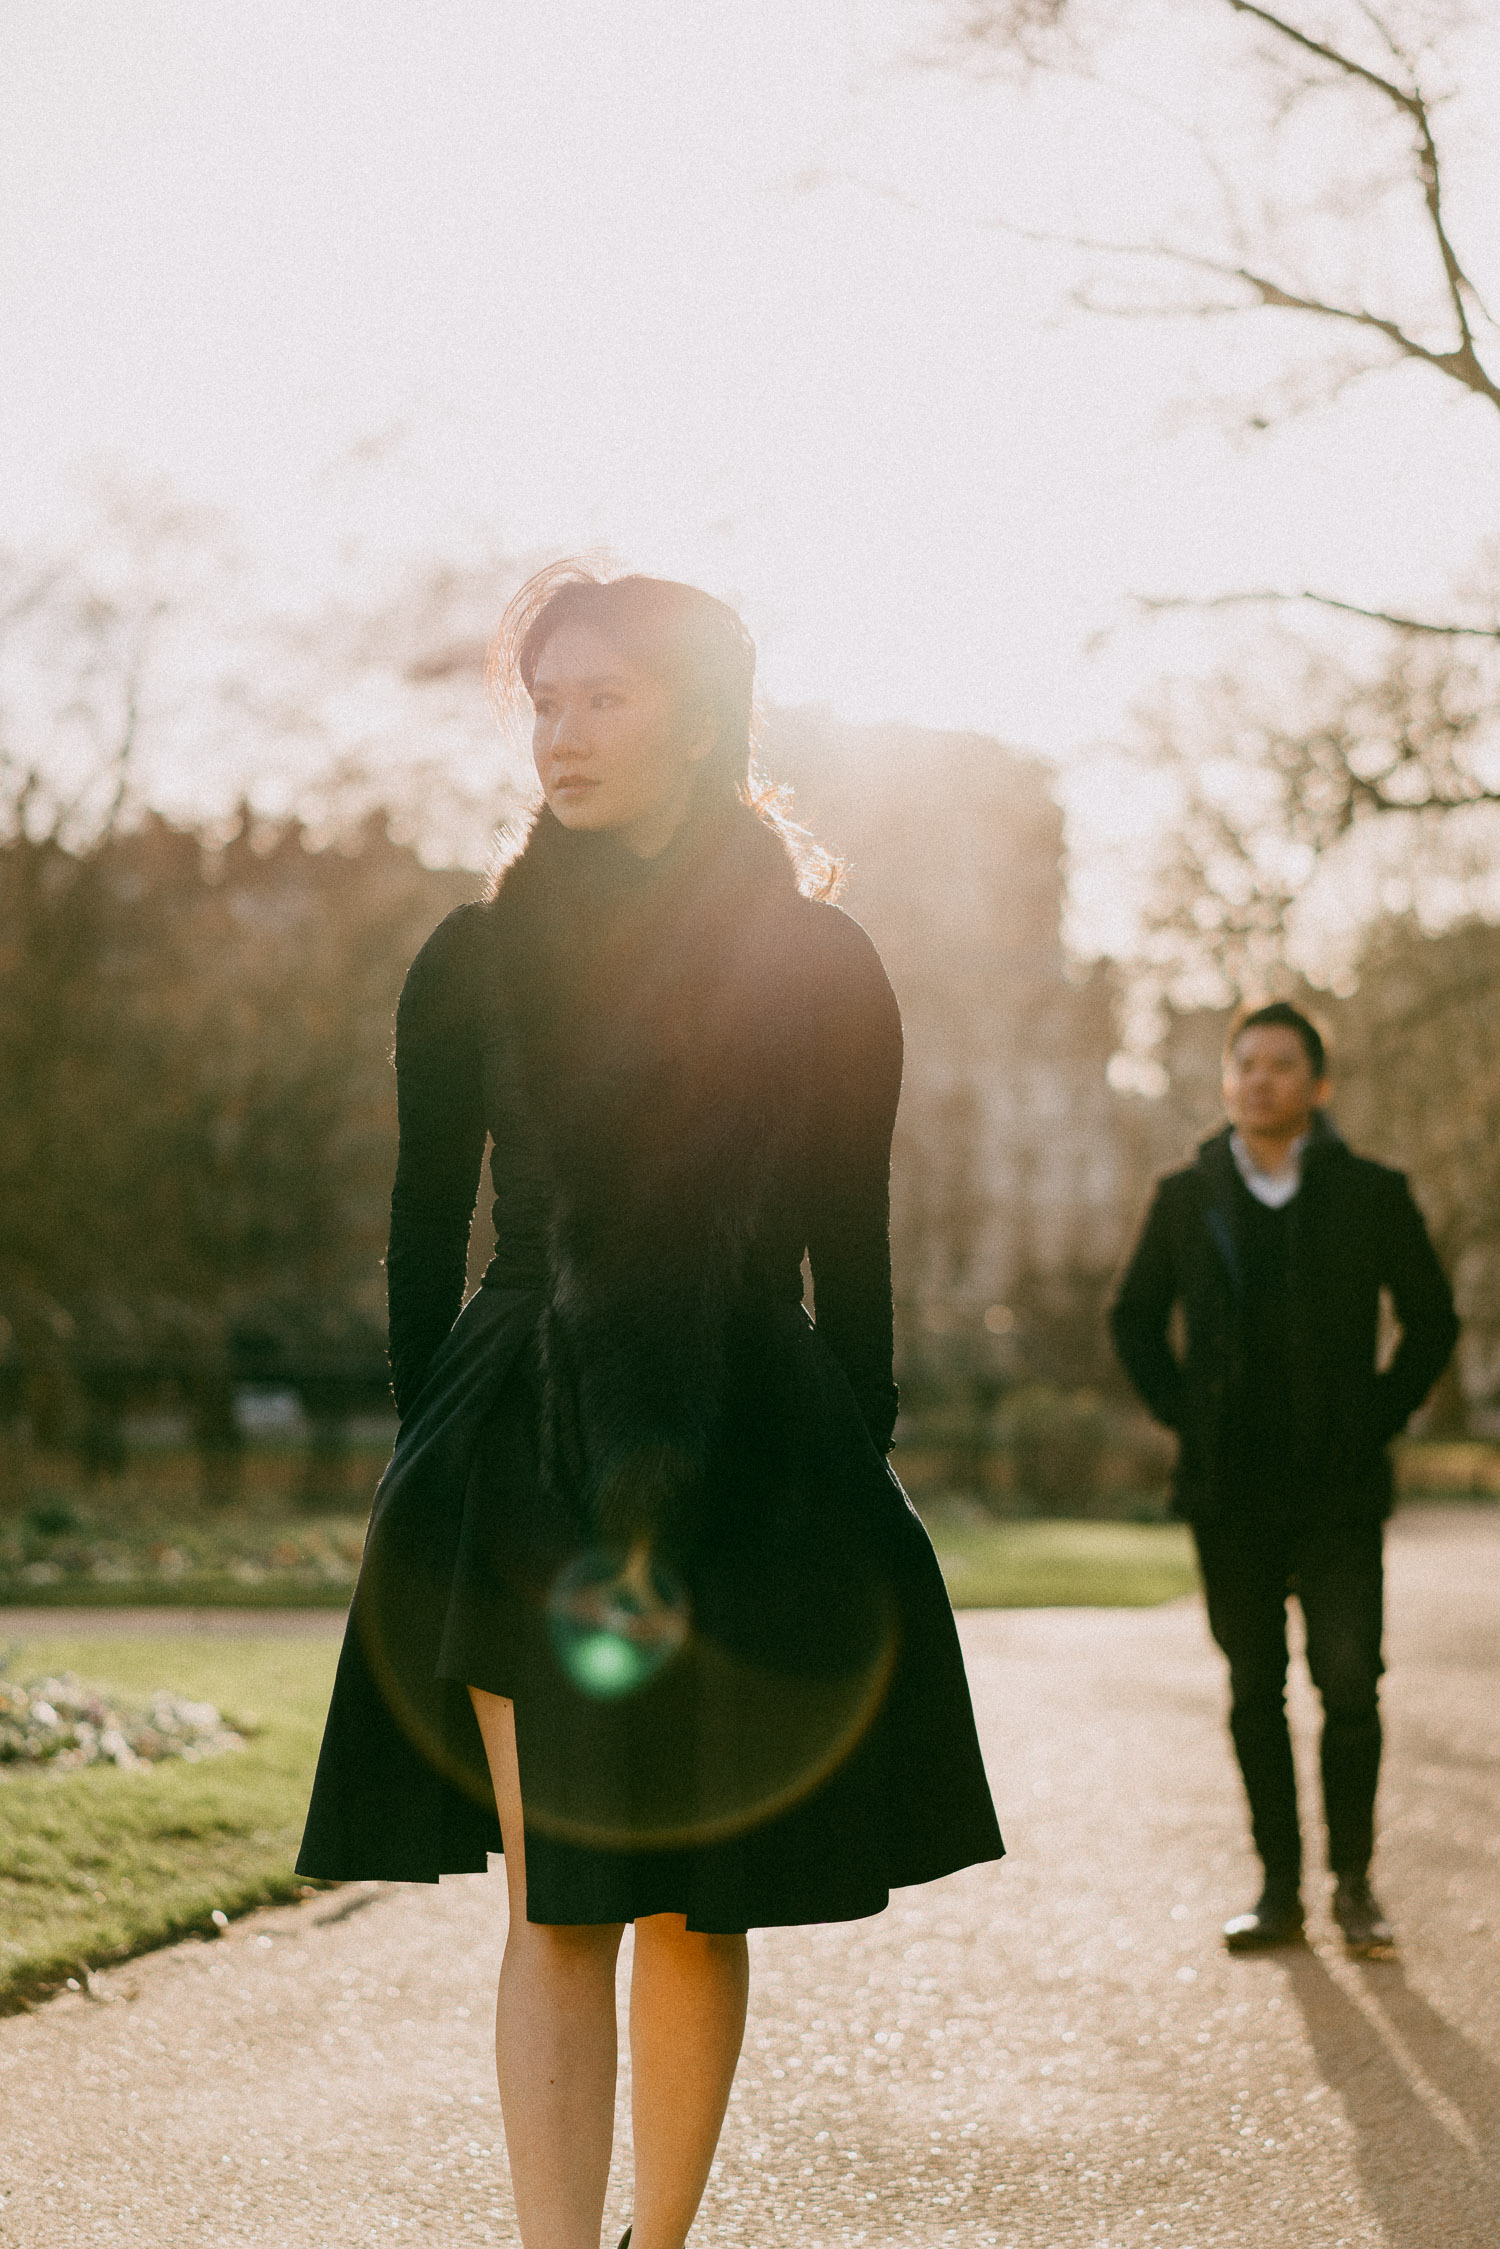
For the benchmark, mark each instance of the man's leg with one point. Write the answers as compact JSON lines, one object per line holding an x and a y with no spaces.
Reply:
{"x":1340,"y":1583}
{"x":1244,"y":1568}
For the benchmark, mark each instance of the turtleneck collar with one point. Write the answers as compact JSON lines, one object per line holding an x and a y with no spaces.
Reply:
{"x":603,"y":856}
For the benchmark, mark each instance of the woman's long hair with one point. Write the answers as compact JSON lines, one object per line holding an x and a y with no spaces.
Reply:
{"x":684,"y":636}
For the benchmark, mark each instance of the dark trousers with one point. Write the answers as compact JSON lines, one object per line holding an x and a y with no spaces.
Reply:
{"x":1250,"y":1564}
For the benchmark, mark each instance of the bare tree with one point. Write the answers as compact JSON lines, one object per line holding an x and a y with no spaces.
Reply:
{"x":82,"y":680}
{"x":1338,"y":152}
{"x":379,"y":703}
{"x":1289,"y":769}
{"x":1325,"y":215}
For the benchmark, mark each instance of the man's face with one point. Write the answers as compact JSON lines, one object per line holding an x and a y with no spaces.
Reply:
{"x":1269,"y":1085}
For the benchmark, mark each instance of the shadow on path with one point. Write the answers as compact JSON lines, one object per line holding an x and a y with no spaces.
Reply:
{"x":1422,"y":2100}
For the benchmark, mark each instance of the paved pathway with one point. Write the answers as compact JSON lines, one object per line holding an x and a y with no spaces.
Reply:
{"x":1047,"y":2054}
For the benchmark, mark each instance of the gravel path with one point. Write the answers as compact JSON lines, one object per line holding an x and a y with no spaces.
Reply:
{"x":1049,"y":2053}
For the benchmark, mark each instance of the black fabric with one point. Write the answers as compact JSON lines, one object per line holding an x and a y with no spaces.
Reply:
{"x":1269,"y":1442}
{"x":795,"y":1045}
{"x":672,"y":1127}
{"x":660,"y":1057}
{"x":1352,"y":1230}
{"x":1250,"y":1565}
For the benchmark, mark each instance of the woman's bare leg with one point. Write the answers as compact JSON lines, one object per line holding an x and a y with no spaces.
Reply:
{"x":687,"y":2021}
{"x":555,"y":2039}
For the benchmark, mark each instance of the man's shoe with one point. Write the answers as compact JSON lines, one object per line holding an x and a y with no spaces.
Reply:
{"x":1357,"y":1912}
{"x":1276,"y":1920}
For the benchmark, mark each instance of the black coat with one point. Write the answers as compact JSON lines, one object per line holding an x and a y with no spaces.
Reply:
{"x":688,"y":1072}
{"x":1354,"y":1231}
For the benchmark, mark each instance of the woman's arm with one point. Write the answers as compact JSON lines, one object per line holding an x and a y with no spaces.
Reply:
{"x":857,"y":1057}
{"x":441,"y":1115}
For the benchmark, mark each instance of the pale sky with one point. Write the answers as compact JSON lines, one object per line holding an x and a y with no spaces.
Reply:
{"x":714,"y":285}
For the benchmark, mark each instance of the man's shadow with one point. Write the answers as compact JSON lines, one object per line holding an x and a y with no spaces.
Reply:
{"x":1431,"y":2178}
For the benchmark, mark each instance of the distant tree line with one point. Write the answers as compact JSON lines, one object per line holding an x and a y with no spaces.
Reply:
{"x":197,"y":1132}
{"x":196,"y":1117}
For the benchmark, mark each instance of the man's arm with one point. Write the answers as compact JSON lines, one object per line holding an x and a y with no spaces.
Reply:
{"x":1424,"y":1306}
{"x":1141,"y":1311}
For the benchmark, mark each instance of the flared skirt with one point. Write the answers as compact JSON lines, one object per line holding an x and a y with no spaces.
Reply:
{"x":797,"y":1739}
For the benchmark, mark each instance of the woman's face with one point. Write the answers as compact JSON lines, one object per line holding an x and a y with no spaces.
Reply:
{"x":614,"y":747}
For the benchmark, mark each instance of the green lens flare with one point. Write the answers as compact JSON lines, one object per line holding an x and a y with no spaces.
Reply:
{"x":615,"y":1621}
{"x":605,"y":1666}
{"x":646,"y":1720}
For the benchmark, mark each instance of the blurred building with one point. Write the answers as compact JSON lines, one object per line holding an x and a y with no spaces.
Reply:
{"x":1019,"y":1170}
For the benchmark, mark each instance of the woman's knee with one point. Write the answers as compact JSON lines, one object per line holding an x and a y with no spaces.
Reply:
{"x":570,"y":1948}
{"x":668,"y":1935}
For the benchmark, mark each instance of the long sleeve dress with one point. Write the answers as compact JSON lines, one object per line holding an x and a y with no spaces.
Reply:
{"x":813,"y":1746}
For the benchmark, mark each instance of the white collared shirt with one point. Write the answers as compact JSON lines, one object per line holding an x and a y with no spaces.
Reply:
{"x":1273,"y":1188}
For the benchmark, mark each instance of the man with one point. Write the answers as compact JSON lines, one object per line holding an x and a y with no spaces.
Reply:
{"x":1272,"y":1251}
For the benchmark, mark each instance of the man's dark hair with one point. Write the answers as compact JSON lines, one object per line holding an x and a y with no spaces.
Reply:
{"x":1280,"y":1014}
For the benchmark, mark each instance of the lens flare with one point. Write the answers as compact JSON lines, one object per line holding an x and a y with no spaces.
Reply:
{"x":616,"y":1621}
{"x":652,"y":1712}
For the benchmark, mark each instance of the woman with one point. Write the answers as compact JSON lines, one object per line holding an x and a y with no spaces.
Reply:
{"x":642,"y":1603}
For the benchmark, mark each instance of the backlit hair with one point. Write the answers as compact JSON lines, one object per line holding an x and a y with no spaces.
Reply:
{"x":683,"y":635}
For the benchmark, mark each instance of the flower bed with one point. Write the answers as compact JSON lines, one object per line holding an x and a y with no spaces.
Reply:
{"x":54,"y":1556}
{"x":62,"y":1723}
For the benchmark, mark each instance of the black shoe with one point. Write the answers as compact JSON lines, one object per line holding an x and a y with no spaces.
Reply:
{"x":1357,"y":1912}
{"x":625,"y":2239}
{"x":1276,"y":1920}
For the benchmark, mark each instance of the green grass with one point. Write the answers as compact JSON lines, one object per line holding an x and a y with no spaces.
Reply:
{"x":1061,"y":1564}
{"x":97,"y":1864}
{"x":207,"y":1591}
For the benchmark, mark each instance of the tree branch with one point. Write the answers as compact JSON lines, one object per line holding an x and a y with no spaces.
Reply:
{"x":1413,"y":103}
{"x":1462,"y":365}
{"x":1352,"y":68}
{"x":1160,"y":604}
{"x":1410,"y":100}
{"x":1378,"y":798}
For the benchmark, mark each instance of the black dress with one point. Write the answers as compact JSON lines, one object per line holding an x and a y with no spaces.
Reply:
{"x":811,"y":1745}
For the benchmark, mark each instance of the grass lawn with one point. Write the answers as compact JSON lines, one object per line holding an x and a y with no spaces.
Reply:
{"x":1061,"y":1565}
{"x":97,"y":1864}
